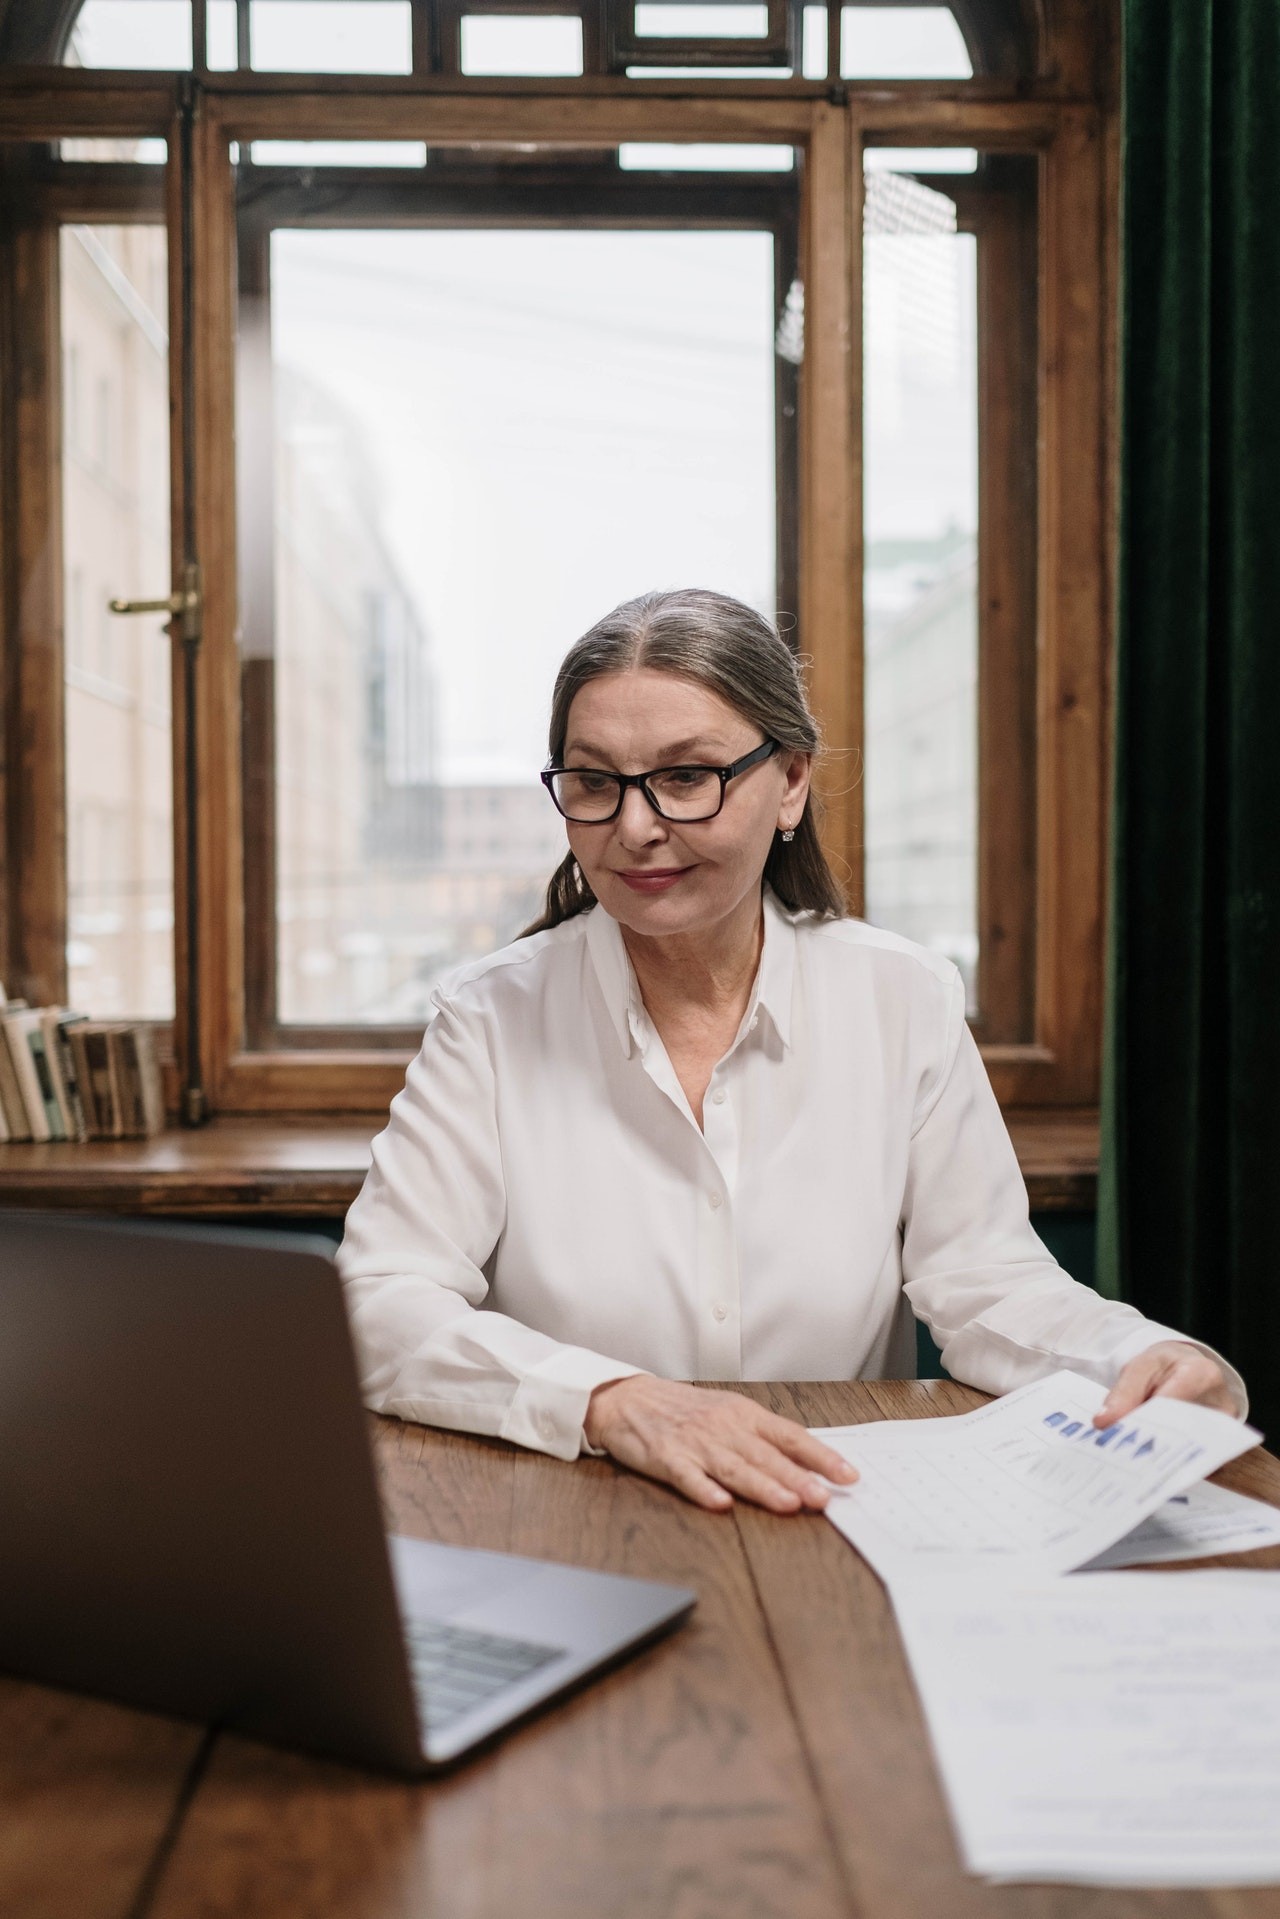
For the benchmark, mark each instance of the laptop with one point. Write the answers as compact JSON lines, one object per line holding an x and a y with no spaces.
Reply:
{"x":190,"y":1518}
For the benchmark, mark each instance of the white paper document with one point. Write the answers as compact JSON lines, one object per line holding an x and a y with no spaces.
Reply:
{"x":1117,"y":1729}
{"x":1026,"y":1486}
{"x":1203,"y":1521}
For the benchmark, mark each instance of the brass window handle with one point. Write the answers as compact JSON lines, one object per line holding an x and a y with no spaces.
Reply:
{"x":176,"y":603}
{"x":185,"y":604}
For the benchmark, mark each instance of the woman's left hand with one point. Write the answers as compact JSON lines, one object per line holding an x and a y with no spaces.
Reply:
{"x":1171,"y":1369}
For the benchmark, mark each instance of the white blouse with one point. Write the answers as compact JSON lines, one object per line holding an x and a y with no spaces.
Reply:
{"x":544,"y":1214}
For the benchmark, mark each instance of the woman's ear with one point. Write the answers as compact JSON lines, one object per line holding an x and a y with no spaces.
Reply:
{"x":797,"y":771}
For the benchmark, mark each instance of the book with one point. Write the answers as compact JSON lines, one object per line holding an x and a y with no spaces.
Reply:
{"x":66,"y":1125}
{"x":58,"y":1029}
{"x":45,"y":1073}
{"x":18,"y":1028}
{"x":98,"y":1074}
{"x":11,"y":1095}
{"x":138,"y":1079}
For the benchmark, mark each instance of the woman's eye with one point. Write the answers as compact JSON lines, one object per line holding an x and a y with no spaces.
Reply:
{"x":686,"y":778}
{"x":592,"y":782}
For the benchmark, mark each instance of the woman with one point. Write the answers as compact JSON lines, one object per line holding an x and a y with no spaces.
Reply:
{"x":698,"y":1125}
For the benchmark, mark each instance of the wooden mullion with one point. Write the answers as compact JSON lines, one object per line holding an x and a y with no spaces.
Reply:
{"x":595,"y":37}
{"x":447,"y":37}
{"x":10,"y":591}
{"x":424,"y":40}
{"x":86,"y":192}
{"x":830,"y":598}
{"x":78,"y":103}
{"x":35,"y":694}
{"x":1074,"y":606}
{"x":200,"y":36}
{"x":601,"y":199}
{"x":1008,"y":340}
{"x":221,"y":900}
{"x":467,"y":116}
{"x":173,"y":188}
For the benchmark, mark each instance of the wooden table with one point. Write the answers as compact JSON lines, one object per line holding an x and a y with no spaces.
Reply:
{"x":767,"y":1759}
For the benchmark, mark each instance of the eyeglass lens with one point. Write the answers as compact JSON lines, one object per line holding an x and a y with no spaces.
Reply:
{"x":681,"y":793}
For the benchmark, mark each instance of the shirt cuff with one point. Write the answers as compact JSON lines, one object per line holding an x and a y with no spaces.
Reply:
{"x":1151,"y":1333}
{"x":550,"y":1404}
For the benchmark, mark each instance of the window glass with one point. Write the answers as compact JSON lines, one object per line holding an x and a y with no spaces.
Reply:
{"x":902,"y":43}
{"x":688,"y":158}
{"x":339,"y":153}
{"x":483,"y":441}
{"x":220,"y":34}
{"x":331,"y":36}
{"x":705,"y":73}
{"x":656,"y":20}
{"x":498,"y":43}
{"x":115,"y":469}
{"x":131,"y":33}
{"x":920,"y":585}
{"x":145,"y":152}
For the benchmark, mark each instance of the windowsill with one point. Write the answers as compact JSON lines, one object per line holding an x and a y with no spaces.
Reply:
{"x":312,"y":1167}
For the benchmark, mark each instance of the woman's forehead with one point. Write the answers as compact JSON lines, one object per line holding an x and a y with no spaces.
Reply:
{"x":645,"y":704}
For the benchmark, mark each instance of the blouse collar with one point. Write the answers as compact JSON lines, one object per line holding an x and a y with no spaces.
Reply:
{"x":771,"y":994}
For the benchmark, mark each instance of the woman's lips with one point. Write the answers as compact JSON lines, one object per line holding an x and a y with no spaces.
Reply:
{"x":654,"y":882}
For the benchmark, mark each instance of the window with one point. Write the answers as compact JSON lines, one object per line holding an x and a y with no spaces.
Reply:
{"x":646,"y":267}
{"x":949,"y":444}
{"x":553,"y":420}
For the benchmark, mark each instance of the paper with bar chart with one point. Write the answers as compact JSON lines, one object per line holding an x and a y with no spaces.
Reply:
{"x":1025,"y":1486}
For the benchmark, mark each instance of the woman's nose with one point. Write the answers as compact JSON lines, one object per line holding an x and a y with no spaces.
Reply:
{"x":637,"y":824}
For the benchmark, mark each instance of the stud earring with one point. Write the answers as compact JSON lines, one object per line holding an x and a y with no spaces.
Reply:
{"x":789,"y":835}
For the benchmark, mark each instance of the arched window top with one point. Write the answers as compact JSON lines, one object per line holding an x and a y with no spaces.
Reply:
{"x":878,"y":41}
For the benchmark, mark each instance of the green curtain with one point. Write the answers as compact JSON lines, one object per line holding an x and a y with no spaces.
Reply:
{"x":1189,"y":1199}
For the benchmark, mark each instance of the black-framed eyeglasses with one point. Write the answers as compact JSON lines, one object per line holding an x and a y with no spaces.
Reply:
{"x":679,"y":793}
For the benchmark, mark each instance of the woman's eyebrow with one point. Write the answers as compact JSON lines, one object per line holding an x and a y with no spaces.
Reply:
{"x":673,"y":755}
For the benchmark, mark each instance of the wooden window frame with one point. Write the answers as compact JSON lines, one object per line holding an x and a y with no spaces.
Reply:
{"x":1055,"y":1066}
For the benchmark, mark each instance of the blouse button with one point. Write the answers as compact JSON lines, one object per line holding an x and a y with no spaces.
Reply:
{"x":719,"y":1312}
{"x":714,"y":1202}
{"x":718,"y":1097}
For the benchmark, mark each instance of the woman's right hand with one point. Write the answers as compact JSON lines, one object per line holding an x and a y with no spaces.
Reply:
{"x":712,"y":1445}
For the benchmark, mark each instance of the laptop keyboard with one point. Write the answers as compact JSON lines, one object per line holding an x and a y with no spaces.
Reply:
{"x":455,"y":1669}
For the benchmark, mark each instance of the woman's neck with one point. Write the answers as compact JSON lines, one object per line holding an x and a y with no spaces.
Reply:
{"x":708,"y":974}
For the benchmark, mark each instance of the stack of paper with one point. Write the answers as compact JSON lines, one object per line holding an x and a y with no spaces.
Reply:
{"x":1108,"y":1728}
{"x":1117,"y":1729}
